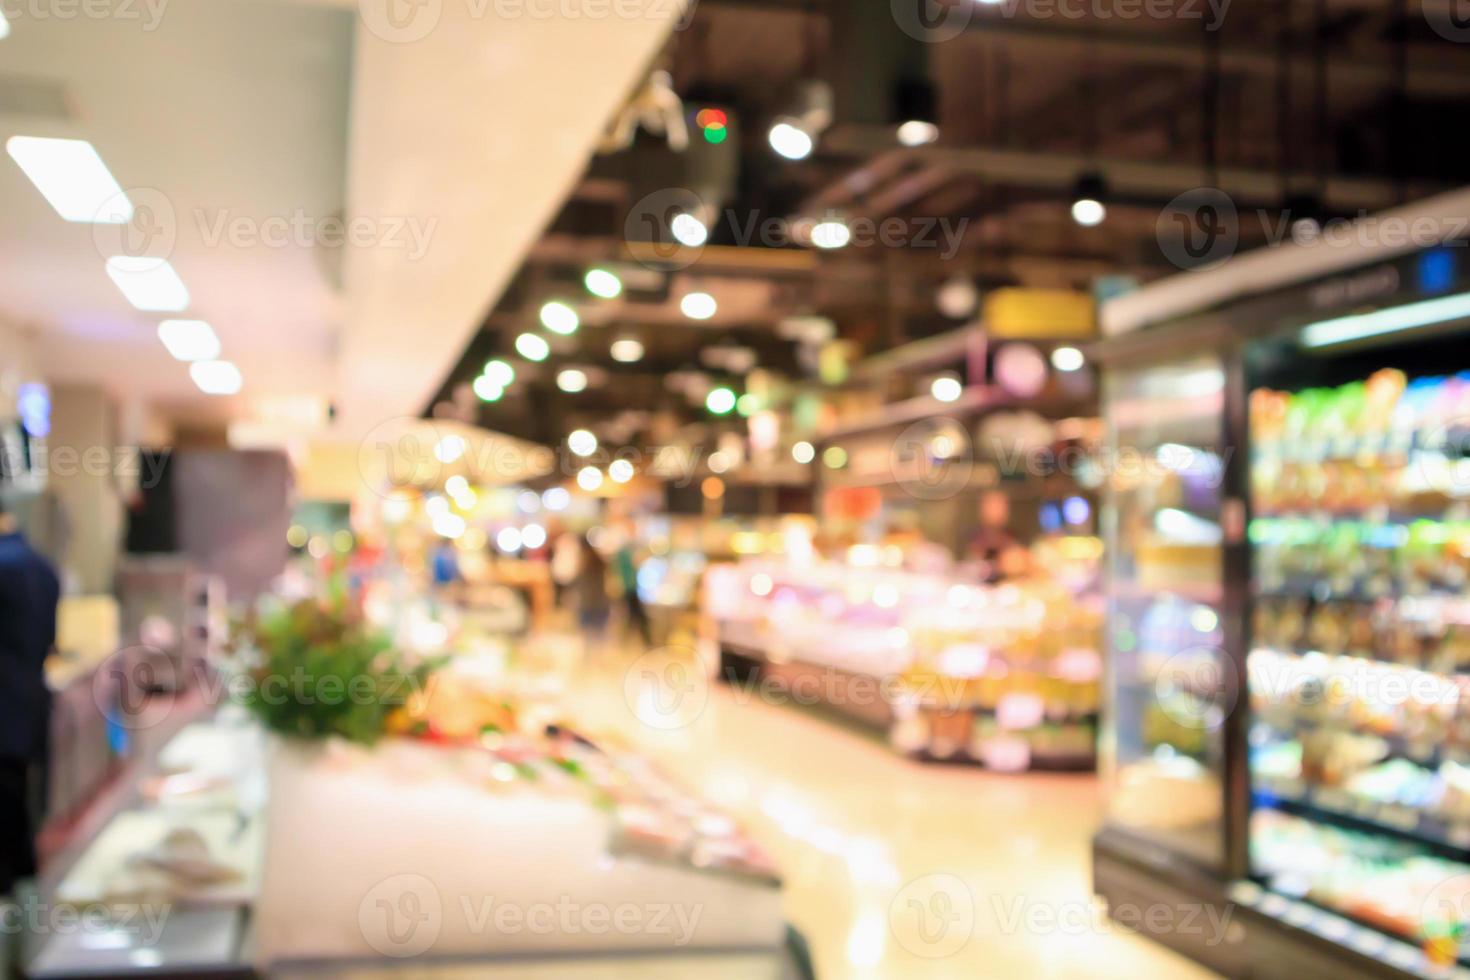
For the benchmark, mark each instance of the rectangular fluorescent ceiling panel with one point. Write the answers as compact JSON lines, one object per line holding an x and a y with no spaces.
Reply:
{"x":216,"y":377}
{"x":4,"y":26}
{"x":149,"y":284}
{"x":73,"y":178}
{"x":189,"y":340}
{"x":1361,"y":326}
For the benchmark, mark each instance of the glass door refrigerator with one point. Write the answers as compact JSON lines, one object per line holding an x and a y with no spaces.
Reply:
{"x":1286,"y":745}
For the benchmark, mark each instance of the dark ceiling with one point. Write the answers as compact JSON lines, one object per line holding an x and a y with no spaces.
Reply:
{"x":1332,"y":107}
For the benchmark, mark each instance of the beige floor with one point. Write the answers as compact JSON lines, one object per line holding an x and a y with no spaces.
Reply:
{"x":893,"y":868}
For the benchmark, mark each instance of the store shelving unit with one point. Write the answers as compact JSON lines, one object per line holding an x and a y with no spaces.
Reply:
{"x":1287,"y":696}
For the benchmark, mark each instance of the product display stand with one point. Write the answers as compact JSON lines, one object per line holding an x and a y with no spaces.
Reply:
{"x":1283,"y":645}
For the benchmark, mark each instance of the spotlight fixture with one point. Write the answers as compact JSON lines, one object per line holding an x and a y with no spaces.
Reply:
{"x":946,"y":388}
{"x":582,"y":442}
{"x":1087,"y":205}
{"x":620,"y":470}
{"x":558,"y":317}
{"x":791,"y":141}
{"x":698,"y":306}
{"x":917,"y":132}
{"x":499,"y":372}
{"x":831,"y":233}
{"x":794,"y":134}
{"x":626,"y":350}
{"x":189,"y":340}
{"x":589,"y":478}
{"x":913,"y":110}
{"x":803,"y":452}
{"x":487,"y":389}
{"x":1067,"y":359}
{"x":720,"y":401}
{"x":216,"y":377}
{"x":603,"y":283}
{"x":688,"y":230}
{"x":532,"y":347}
{"x":572,"y":380}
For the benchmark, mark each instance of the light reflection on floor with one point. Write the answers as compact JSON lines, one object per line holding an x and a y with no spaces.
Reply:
{"x":892,"y":868}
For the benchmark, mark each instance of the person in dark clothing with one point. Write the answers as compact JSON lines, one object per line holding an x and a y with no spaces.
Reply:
{"x":29,"y":593}
{"x":591,"y":588}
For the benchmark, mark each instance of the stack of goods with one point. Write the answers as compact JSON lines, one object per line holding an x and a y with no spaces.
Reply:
{"x":1006,"y":675}
{"x":1360,"y":673}
{"x":1392,"y":885}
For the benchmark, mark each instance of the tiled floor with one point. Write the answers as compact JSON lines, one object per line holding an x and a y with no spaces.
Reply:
{"x":894,"y":868}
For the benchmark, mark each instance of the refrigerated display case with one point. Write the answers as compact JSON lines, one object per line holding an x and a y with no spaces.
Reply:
{"x":1286,"y":737}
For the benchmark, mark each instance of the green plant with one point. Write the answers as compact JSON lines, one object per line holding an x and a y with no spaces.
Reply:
{"x":322,"y":672}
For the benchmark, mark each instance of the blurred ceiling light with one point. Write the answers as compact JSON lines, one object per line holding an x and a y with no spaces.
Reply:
{"x":509,"y":540}
{"x":803,"y":452}
{"x":718,"y":462}
{"x":4,"y":26}
{"x":556,"y":499}
{"x":626,"y":350}
{"x":533,"y":536}
{"x":689,"y":230}
{"x":582,"y":442}
{"x":720,"y":401}
{"x":571,"y":380}
{"x":1067,"y":359}
{"x":603,"y":283}
{"x":698,"y":306}
{"x":1087,"y":207}
{"x":216,"y":377}
{"x":917,"y":132}
{"x":456,"y":486}
{"x":957,"y":297}
{"x":946,"y":388}
{"x":558,"y":317}
{"x":589,"y":478}
{"x":70,"y":175}
{"x":620,"y":470}
{"x":532,"y":347}
{"x":500,"y":372}
{"x":831,"y":233}
{"x":791,"y":141}
{"x":487,"y":389}
{"x":150,"y":284}
{"x":450,"y":448}
{"x":834,"y":457}
{"x":189,"y":340}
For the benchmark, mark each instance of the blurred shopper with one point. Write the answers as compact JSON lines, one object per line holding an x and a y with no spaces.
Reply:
{"x":593,"y":603}
{"x":29,"y":593}
{"x":626,"y":562}
{"x":997,"y":551}
{"x":566,"y":564}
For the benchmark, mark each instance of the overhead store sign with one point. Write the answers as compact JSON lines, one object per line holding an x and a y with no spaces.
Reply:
{"x":1015,"y":313}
